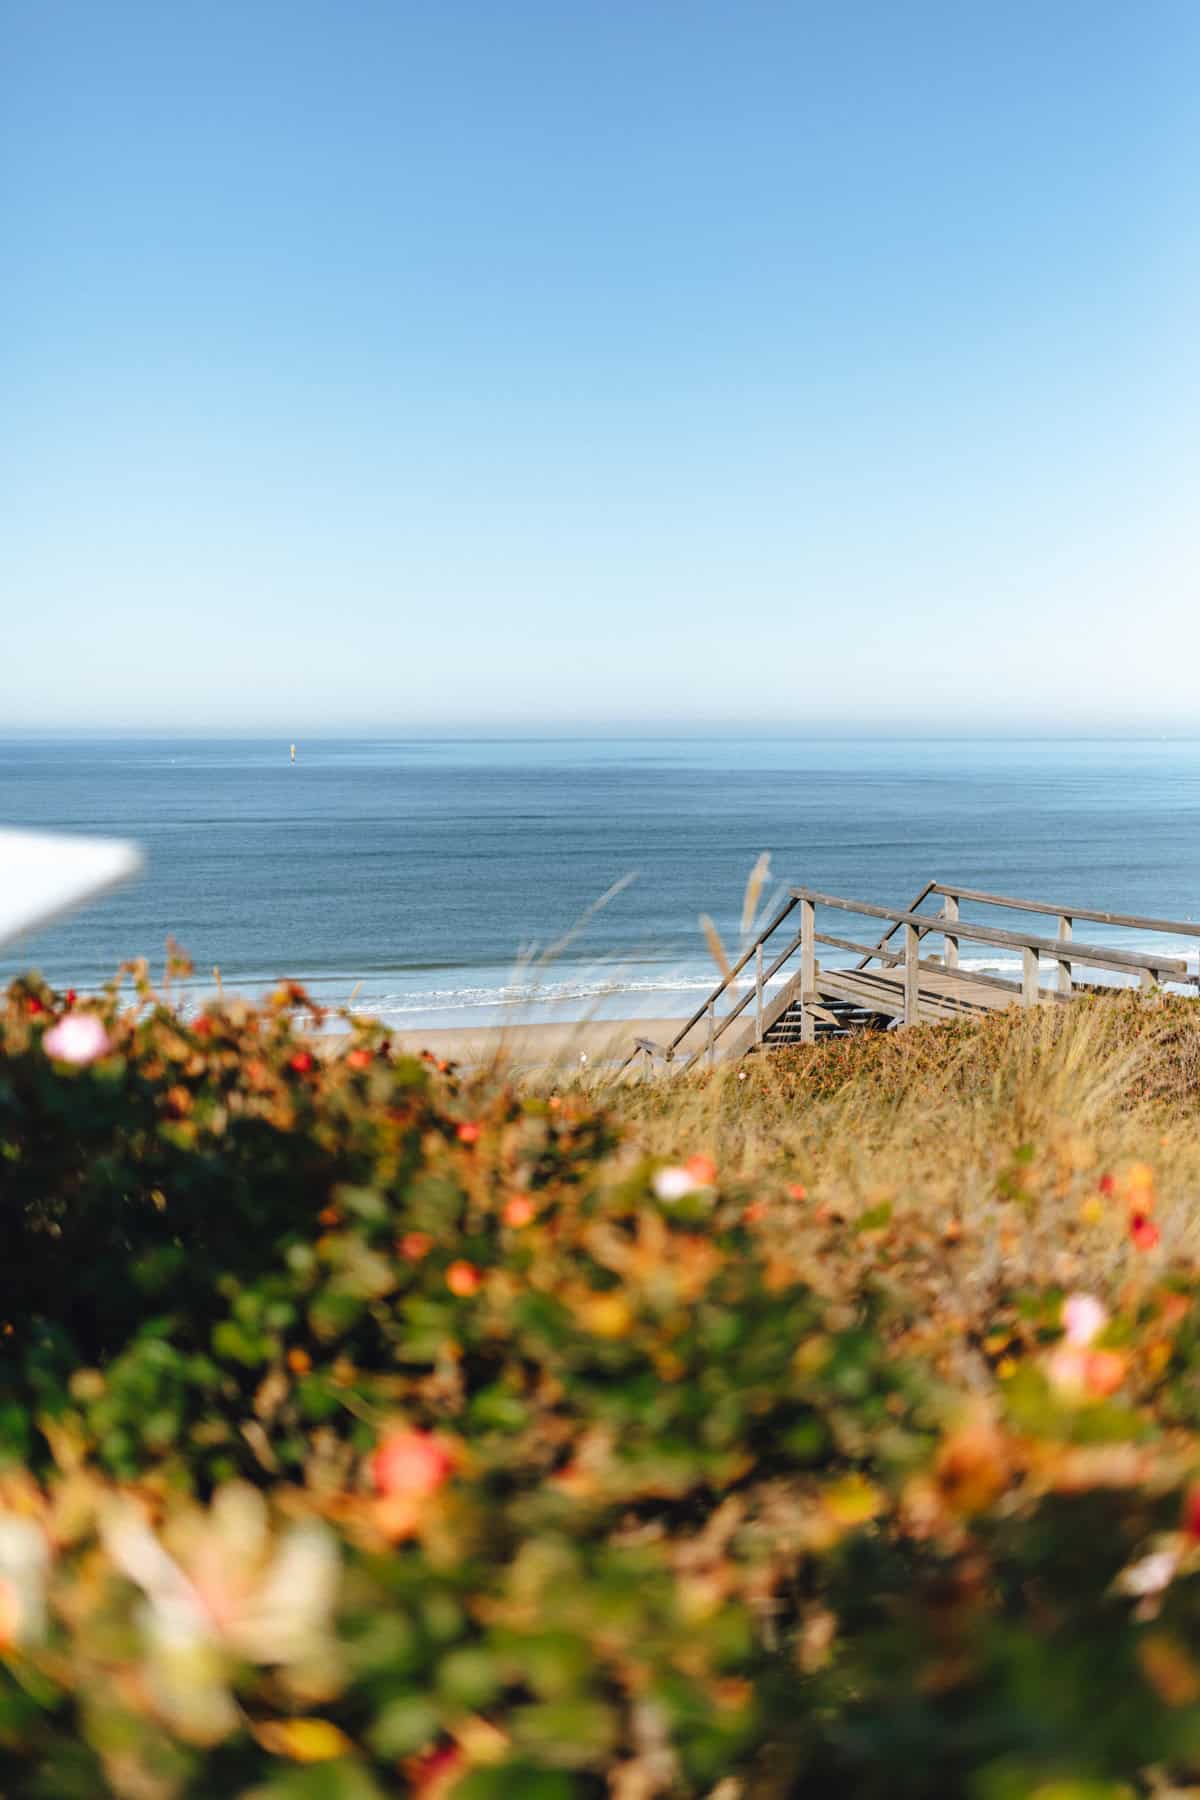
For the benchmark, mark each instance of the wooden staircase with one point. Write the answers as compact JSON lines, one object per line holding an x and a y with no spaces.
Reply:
{"x":886,"y":987}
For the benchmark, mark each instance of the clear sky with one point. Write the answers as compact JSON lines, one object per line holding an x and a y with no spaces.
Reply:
{"x":550,"y":363}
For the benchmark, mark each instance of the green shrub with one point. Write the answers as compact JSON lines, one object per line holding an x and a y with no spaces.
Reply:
{"x":370,"y":1431}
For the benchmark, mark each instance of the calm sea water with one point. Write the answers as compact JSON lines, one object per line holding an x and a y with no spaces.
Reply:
{"x":426,"y":871}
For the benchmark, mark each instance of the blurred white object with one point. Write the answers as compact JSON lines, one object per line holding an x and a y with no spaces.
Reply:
{"x":42,"y":876}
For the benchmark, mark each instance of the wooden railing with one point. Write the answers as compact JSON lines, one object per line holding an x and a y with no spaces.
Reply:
{"x":1064,"y":949}
{"x":763,"y":973}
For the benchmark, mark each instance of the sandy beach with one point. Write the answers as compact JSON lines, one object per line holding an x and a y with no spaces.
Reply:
{"x":559,"y":1042}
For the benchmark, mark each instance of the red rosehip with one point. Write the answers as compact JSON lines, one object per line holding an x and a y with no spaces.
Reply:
{"x":301,"y":1062}
{"x":702,"y":1170}
{"x":71,"y":996}
{"x":434,"y":1775}
{"x":1108,"y":1184}
{"x":359,"y":1059}
{"x":463,"y":1279}
{"x":34,"y":1006}
{"x":1191,"y":1511}
{"x":415,"y":1244}
{"x":410,"y":1465}
{"x":468,"y":1132}
{"x":1143,"y":1231}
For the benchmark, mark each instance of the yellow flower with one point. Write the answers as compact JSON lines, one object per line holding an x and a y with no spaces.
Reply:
{"x":607,"y":1315}
{"x":304,"y":1740}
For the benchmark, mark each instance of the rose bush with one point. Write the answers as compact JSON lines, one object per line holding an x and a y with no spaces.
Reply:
{"x":367,"y":1431}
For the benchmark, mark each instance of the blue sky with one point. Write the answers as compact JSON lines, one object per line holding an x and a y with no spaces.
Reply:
{"x":550,"y":365}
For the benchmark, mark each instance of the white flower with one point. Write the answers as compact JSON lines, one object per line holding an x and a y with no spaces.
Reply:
{"x":230,"y":1597}
{"x":80,"y":1037}
{"x":1083,"y":1318}
{"x":24,"y":1565}
{"x":1149,"y":1576}
{"x":674,"y":1184}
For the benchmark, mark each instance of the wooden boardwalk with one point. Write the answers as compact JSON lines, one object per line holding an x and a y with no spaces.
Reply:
{"x":896,"y":982}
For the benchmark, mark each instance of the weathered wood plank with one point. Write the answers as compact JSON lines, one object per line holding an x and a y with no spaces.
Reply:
{"x":1095,"y":954}
{"x":912,"y":975}
{"x":1180,"y":927}
{"x":929,"y":965}
{"x":1063,"y":964}
{"x":950,"y":913}
{"x":808,"y":967}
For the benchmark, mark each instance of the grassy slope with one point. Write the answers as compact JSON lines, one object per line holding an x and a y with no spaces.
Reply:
{"x":996,"y":1134}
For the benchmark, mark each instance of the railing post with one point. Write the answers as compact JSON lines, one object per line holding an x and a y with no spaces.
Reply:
{"x":1065,"y":927}
{"x":1030,"y":986}
{"x":808,"y":970}
{"x":758,"y":992}
{"x":710,"y":1049}
{"x":912,"y":975}
{"x":949,"y":939}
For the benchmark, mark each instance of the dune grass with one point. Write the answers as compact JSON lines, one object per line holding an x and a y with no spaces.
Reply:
{"x":1007,"y":1134}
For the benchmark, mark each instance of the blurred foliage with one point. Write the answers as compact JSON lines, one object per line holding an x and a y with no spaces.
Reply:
{"x":368,"y":1431}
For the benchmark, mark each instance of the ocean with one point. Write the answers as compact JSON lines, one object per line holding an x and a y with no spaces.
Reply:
{"x":456,"y":882}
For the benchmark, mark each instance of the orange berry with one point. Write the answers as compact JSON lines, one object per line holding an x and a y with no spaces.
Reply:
{"x":463,"y":1279}
{"x":1104,"y":1371}
{"x":468,"y":1132}
{"x":797,"y":1191}
{"x":414,"y":1245}
{"x":359,"y":1059}
{"x":519,"y":1210}
{"x":299,"y":1361}
{"x":702,"y":1169}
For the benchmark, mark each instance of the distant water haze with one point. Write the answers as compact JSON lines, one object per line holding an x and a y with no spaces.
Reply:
{"x":423,"y":872}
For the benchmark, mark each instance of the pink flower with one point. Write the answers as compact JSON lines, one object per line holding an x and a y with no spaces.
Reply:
{"x":410,"y":1464}
{"x":1083,"y":1318}
{"x":1151,"y":1575}
{"x":79,"y":1038}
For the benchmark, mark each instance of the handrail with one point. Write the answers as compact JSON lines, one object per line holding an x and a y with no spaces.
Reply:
{"x":1180,"y":927}
{"x":1072,"y":950}
{"x":930,"y":887}
{"x":1065,"y":950}
{"x":745,"y":1000}
{"x":669,"y":1051}
{"x":736,"y":970}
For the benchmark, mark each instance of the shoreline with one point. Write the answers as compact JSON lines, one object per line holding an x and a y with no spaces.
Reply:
{"x":566,"y":1044}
